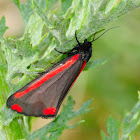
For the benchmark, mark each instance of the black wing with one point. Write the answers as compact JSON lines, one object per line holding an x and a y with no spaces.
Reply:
{"x":46,"y":99}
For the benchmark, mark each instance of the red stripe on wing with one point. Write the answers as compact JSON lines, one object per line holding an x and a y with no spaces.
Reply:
{"x":48,"y":76}
{"x":16,"y":107}
{"x":49,"y":111}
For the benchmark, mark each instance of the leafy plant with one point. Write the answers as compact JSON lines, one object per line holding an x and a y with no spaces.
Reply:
{"x":46,"y":28}
{"x":130,"y":123}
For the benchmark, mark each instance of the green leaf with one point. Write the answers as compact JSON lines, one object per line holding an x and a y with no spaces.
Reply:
{"x":3,"y":28}
{"x":21,"y":53}
{"x":113,"y":128}
{"x":26,"y":8}
{"x":41,"y":14}
{"x":93,"y":64}
{"x":50,"y":4}
{"x":34,"y":29}
{"x":58,"y":125}
{"x":94,"y":15}
{"x":2,"y":135}
{"x":131,"y":122}
{"x":6,"y":116}
{"x":65,"y":5}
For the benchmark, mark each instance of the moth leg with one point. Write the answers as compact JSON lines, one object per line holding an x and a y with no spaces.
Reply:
{"x":77,"y":38}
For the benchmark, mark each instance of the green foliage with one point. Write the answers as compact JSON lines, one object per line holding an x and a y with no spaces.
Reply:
{"x":3,"y":27}
{"x":94,"y":64}
{"x":112,"y":129}
{"x":58,"y":125}
{"x":22,"y":58}
{"x":130,"y":123}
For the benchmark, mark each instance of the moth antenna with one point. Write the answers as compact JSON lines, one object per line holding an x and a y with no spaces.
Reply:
{"x":103,"y":33}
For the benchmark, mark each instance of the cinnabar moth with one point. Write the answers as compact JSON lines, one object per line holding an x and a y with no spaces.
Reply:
{"x":44,"y":95}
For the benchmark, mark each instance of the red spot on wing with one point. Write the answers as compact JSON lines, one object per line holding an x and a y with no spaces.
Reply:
{"x":49,"y":111}
{"x":16,"y":107}
{"x":48,"y":76}
{"x":79,"y":73}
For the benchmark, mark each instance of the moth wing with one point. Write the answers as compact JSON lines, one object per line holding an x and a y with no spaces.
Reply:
{"x":46,"y":99}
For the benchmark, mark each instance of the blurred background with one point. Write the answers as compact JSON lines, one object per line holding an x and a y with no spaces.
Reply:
{"x":113,"y":85}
